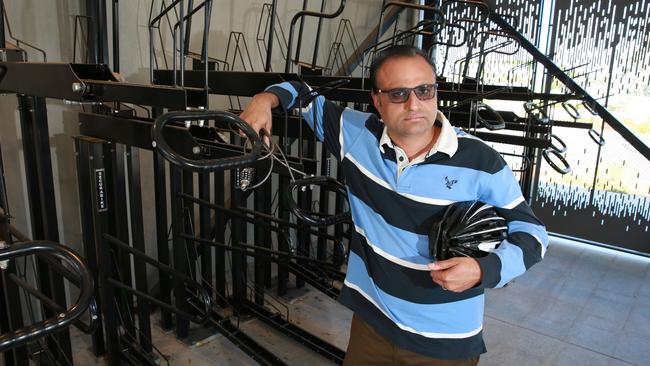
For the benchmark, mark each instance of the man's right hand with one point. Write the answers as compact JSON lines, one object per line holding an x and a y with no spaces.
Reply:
{"x":258,"y":113}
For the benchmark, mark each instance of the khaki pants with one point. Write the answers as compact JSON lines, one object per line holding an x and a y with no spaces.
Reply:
{"x":367,"y":347}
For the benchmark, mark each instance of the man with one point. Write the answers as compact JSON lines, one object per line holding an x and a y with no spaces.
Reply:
{"x":401,"y":173}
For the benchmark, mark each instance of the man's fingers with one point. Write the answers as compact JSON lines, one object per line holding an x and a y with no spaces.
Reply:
{"x":441,"y":265}
{"x":266,"y":136}
{"x":456,"y":274}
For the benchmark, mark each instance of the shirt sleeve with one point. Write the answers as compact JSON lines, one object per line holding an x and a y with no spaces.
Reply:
{"x":526,"y":240}
{"x":324,"y":117}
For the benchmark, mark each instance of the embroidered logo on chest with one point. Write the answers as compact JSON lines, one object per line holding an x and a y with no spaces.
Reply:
{"x":450,"y":182}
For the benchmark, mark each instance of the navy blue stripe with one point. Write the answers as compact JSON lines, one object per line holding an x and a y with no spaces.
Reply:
{"x":521,"y":212}
{"x":442,"y":348}
{"x":375,"y":126}
{"x":332,"y":113}
{"x":284,"y":96}
{"x":491,"y":270}
{"x":530,"y":247}
{"x":473,"y":154}
{"x":405,"y":283}
{"x":395,"y":209}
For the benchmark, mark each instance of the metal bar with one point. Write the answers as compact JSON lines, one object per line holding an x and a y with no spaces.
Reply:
{"x":237,"y":234}
{"x":91,"y":83}
{"x":318,"y":30}
{"x":102,"y":33}
{"x":274,"y":223}
{"x":305,"y":338}
{"x":182,"y":37}
{"x":247,"y":344}
{"x":92,"y":171}
{"x":284,"y":239}
{"x":178,"y":247}
{"x":267,"y":191}
{"x":259,"y":251}
{"x":183,"y":49}
{"x":323,"y":203}
{"x":204,"y":49}
{"x":304,"y":201}
{"x":300,"y":30}
{"x":11,"y":314}
{"x":188,"y":30}
{"x":205,"y":231}
{"x":300,"y":14}
{"x":219,"y":234}
{"x":97,"y":42}
{"x":116,"y":35}
{"x":269,"y":47}
{"x":2,"y":25}
{"x":189,"y":248}
{"x":240,"y":83}
{"x":261,"y":201}
{"x":162,"y":243}
{"x":562,"y":77}
{"x":315,"y":281}
{"x":42,"y":203}
{"x":4,"y":201}
{"x":15,"y":233}
{"x":177,"y":275}
{"x":116,"y":185}
{"x":153,"y":95}
{"x":92,"y":40}
{"x":64,"y":317}
{"x":85,"y":181}
{"x":137,"y":237}
{"x":11,"y":317}
{"x":356,"y":56}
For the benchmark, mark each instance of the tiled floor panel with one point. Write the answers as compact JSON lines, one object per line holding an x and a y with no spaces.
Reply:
{"x":577,"y":307}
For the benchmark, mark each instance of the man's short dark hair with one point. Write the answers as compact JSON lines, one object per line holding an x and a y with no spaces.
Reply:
{"x":394,"y":52}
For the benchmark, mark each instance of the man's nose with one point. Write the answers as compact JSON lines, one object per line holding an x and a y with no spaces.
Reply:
{"x":412,"y":102}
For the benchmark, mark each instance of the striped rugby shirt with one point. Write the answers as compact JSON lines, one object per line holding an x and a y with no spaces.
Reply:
{"x":388,"y":283}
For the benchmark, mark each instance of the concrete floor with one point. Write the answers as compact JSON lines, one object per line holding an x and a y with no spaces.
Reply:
{"x":580,"y":306}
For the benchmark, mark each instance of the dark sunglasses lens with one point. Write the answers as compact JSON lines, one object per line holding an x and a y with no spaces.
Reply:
{"x":400,"y":95}
{"x":425,"y":92}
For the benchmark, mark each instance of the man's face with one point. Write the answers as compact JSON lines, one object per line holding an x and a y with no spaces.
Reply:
{"x":413,"y":119}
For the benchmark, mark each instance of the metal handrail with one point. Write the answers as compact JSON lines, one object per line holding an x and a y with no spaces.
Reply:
{"x":408,"y":6}
{"x":183,"y":47}
{"x":304,"y":13}
{"x":19,"y":41}
{"x":562,"y":77}
{"x":62,"y":320}
{"x":151,"y":27}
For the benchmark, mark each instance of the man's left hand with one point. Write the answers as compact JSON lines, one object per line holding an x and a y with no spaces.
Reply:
{"x":456,"y":274}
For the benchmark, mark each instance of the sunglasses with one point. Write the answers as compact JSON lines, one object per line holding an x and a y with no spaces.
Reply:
{"x":401,"y":95}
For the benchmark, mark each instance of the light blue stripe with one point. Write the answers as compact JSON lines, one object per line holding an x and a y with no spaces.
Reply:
{"x":444,"y":182}
{"x":399,"y":243}
{"x":455,"y":317}
{"x":512,"y":262}
{"x":354,"y":127}
{"x":503,"y":188}
{"x":315,"y":107}
{"x":423,"y":180}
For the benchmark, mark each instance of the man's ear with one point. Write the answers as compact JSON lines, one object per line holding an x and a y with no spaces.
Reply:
{"x":376,"y":101}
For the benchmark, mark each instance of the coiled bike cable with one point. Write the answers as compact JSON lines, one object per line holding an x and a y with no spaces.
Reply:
{"x":314,"y":218}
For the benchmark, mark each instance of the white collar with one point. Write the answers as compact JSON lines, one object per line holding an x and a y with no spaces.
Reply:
{"x":447,"y":141}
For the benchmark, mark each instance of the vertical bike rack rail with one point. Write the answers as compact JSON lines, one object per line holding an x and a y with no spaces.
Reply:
{"x":305,"y":13}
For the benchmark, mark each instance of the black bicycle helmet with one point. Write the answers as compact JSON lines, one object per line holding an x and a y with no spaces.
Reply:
{"x":466,"y":229}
